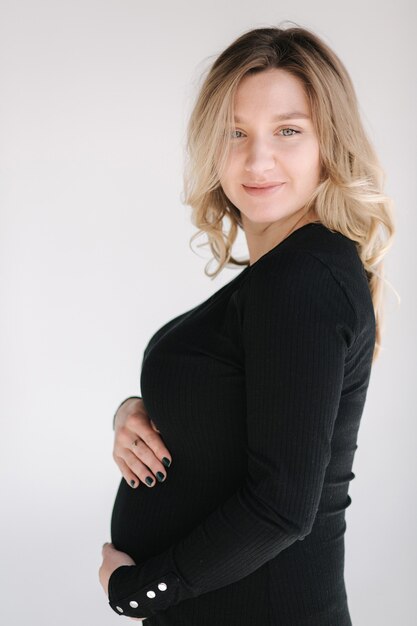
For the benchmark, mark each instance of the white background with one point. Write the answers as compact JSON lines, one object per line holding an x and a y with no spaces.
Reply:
{"x":95,"y":257}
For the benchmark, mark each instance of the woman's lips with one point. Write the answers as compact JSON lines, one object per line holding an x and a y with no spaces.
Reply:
{"x":262,"y":191}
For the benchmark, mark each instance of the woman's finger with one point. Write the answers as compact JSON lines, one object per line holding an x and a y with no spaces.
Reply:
{"x":150,"y":441}
{"x":144,"y":465}
{"x":155,"y":428}
{"x":140,"y":438}
{"x":139,"y":423}
{"x":131,"y":478}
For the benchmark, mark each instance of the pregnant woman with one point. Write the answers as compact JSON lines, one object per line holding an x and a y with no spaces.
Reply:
{"x":238,"y":456}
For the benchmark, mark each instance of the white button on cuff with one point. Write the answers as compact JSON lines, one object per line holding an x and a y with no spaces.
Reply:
{"x":162,"y":587}
{"x":119,"y":609}
{"x":150,"y":594}
{"x":133,"y":604}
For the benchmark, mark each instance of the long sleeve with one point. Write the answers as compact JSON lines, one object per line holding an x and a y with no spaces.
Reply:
{"x":297,"y":327}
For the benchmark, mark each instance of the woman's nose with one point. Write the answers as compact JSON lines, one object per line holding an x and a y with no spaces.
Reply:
{"x":260,"y":157}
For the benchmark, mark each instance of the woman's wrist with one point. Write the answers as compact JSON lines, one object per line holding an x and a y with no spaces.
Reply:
{"x":126,"y":406}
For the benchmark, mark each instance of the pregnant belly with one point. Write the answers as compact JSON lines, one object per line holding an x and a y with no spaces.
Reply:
{"x":147,"y":520}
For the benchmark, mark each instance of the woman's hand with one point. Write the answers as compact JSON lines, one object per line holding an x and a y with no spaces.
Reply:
{"x":138,"y":447}
{"x":112,"y":559}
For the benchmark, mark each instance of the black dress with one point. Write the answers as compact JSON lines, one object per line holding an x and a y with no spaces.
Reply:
{"x":258,"y":394}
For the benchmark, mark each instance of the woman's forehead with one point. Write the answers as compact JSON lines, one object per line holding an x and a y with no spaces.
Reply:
{"x":276,"y":92}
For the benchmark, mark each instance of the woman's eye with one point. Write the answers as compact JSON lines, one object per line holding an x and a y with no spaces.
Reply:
{"x":233,"y":134}
{"x":296,"y":132}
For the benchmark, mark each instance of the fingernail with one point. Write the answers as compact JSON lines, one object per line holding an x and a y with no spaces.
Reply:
{"x":166,"y":461}
{"x":132,"y":483}
{"x":160,"y":476}
{"x":149,"y":480}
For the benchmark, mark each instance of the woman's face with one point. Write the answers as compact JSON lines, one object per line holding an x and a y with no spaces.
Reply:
{"x":273,"y":142}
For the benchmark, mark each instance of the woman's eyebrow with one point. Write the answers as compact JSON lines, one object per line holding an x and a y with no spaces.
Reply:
{"x":282,"y":117}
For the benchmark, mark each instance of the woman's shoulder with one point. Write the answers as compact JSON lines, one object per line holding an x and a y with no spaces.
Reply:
{"x":311,"y":250}
{"x":317,"y":264}
{"x":315,"y":239}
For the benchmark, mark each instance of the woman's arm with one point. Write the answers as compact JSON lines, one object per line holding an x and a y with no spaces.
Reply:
{"x":297,"y":326}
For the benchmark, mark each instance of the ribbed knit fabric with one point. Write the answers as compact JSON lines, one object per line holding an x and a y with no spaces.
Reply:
{"x":258,"y":394}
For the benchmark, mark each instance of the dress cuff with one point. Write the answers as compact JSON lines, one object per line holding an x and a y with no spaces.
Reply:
{"x":138,"y":591}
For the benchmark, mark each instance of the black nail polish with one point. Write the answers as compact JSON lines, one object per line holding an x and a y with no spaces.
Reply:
{"x":132,"y":483}
{"x":160,"y":476}
{"x":149,"y":480}
{"x":166,"y":461}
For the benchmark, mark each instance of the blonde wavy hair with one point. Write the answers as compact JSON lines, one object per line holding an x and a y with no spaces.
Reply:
{"x":349,"y":197}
